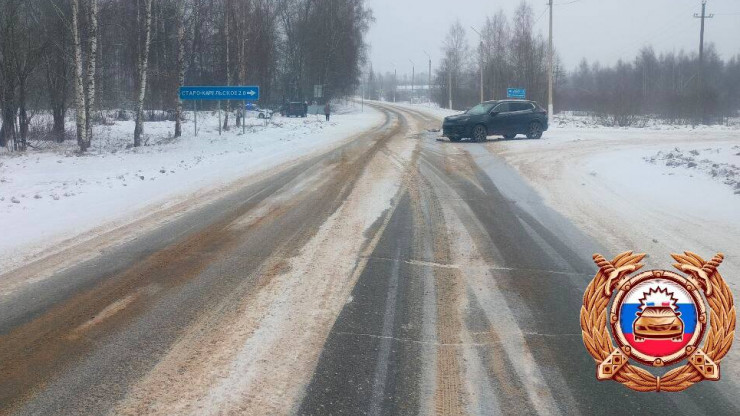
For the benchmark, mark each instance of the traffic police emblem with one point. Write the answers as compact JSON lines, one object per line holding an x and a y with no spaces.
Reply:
{"x":658,"y":318}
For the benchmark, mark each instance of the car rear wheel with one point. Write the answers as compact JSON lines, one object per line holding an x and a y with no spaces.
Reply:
{"x":535,"y":130}
{"x":261,"y":115}
{"x":479,"y":133}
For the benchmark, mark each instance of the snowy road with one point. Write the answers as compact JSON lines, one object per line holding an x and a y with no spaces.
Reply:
{"x":396,"y":274}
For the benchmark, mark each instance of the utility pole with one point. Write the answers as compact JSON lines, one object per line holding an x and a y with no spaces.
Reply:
{"x":413,"y":75}
{"x":481,"y":61}
{"x":701,"y":33}
{"x":550,"y":111}
{"x":449,"y":84}
{"x":701,"y":57}
{"x":429,"y":85}
{"x":395,"y":81}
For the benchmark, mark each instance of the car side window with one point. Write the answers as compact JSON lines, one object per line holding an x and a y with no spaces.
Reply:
{"x":520,"y":106}
{"x":502,"y":108}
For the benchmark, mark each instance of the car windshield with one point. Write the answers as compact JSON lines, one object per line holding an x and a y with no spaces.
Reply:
{"x":480,"y":109}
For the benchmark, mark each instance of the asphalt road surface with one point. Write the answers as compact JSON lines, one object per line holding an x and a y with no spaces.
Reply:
{"x":396,"y":274}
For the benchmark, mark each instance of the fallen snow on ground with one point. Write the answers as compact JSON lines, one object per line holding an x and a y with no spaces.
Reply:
{"x":427,"y":108}
{"x":570,"y":119}
{"x":719,"y":163}
{"x":50,"y":195}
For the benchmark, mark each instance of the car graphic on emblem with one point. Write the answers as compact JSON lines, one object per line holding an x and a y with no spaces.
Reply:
{"x":658,"y":322}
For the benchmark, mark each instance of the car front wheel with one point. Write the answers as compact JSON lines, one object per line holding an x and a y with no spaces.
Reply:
{"x":479,"y":133}
{"x":535,"y":131}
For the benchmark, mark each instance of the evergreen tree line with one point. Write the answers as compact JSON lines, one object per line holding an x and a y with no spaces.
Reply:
{"x":670,"y":86}
{"x":96,"y":59}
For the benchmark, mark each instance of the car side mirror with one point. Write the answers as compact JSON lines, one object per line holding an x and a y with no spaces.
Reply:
{"x":494,"y":113}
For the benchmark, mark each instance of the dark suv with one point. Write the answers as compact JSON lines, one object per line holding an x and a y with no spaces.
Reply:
{"x":506,"y":117}
{"x":294,"y":109}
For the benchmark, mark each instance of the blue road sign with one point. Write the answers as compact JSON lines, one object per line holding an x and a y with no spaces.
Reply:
{"x":241,"y":93}
{"x":516,"y":93}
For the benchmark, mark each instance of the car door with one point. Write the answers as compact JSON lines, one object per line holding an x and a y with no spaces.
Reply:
{"x":520,"y":116}
{"x":499,"y":121}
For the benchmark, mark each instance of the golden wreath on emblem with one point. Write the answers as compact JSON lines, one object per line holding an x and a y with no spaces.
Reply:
{"x":658,"y":318}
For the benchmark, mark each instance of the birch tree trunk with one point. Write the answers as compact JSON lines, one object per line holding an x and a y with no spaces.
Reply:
{"x":79,"y":87}
{"x":143,"y":66}
{"x":227,"y":6}
{"x":180,"y":66}
{"x":92,"y":54}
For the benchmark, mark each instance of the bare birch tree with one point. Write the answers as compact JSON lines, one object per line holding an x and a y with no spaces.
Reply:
{"x":142,"y":71}
{"x":80,"y":105}
{"x":227,"y":41}
{"x":180,"y":64}
{"x":92,"y":52}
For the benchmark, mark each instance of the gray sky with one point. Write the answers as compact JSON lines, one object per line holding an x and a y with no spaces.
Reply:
{"x":598,"y":30}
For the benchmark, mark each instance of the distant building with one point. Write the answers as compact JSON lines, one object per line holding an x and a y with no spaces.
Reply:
{"x":417,"y":94}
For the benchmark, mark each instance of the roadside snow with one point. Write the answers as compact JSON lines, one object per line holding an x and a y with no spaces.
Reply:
{"x":719,"y":163}
{"x":54,"y":194}
{"x":432,"y":109}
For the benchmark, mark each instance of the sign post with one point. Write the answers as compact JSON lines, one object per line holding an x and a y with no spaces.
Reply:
{"x":218,"y":93}
{"x":519,"y":93}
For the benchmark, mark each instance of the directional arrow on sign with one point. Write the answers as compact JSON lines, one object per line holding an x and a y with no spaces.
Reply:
{"x":218,"y":93}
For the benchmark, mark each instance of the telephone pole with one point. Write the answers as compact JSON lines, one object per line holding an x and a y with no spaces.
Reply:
{"x":449,"y":84}
{"x":429,"y":85}
{"x":413,"y":76}
{"x":480,"y":50}
{"x":550,"y":111}
{"x":701,"y":57}
{"x":701,"y":33}
{"x":395,"y":81}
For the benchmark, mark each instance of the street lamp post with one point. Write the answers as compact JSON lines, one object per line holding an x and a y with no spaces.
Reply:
{"x":413,"y":74}
{"x":395,"y":81}
{"x":550,"y":108}
{"x":429,"y":85}
{"x":480,"y":62}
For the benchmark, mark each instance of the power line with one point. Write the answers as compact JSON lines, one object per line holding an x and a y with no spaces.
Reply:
{"x":565,"y":4}
{"x":540,"y":18}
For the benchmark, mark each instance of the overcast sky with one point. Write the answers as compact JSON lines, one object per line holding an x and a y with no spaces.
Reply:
{"x":598,"y":30}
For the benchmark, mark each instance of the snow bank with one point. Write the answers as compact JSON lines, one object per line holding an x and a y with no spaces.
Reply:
{"x":719,"y":163}
{"x":47,"y":196}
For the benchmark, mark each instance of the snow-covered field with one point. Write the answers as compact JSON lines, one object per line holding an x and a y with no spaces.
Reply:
{"x":50,"y":196}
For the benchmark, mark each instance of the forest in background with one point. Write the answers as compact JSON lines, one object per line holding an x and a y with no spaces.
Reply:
{"x":657,"y":85}
{"x":131,"y":56}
